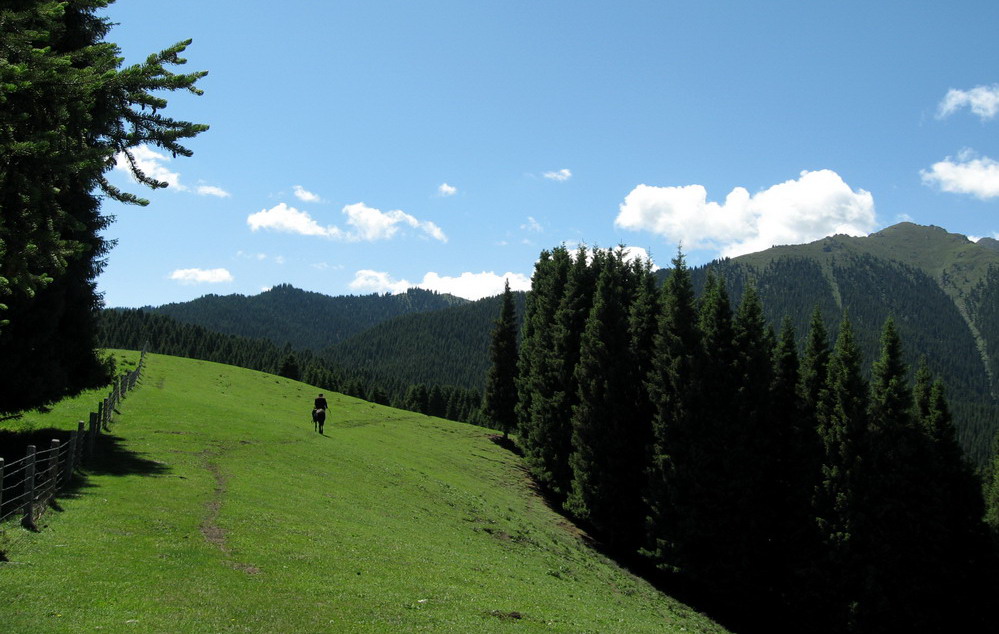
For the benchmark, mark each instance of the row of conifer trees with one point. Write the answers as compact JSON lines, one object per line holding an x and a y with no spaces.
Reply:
{"x":779,"y":487}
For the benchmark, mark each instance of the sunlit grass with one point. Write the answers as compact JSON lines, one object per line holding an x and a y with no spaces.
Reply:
{"x":234,"y":515}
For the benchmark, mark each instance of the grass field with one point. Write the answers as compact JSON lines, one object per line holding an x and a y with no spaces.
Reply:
{"x":217,"y":508}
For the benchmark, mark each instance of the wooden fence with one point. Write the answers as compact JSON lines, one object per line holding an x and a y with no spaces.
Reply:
{"x":28,"y":484}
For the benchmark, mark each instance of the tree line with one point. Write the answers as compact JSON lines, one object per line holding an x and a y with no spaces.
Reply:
{"x":134,"y":328}
{"x":775,"y":483}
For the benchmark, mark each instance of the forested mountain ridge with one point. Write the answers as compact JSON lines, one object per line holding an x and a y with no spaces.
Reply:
{"x":941,"y":288}
{"x":305,"y":319}
{"x":445,"y":347}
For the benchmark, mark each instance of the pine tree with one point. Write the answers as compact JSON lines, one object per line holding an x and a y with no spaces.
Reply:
{"x":607,"y":439}
{"x":674,"y":387}
{"x":842,"y":427}
{"x":954,"y":543}
{"x":289,"y":367}
{"x":537,"y":365}
{"x":755,"y":456}
{"x":892,"y":495}
{"x":68,"y":111}
{"x":814,"y":364}
{"x":500,"y":400}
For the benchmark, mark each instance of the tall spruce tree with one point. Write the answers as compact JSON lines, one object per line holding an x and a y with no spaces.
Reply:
{"x":842,"y":427}
{"x":674,"y":387}
{"x":538,"y":366}
{"x":553,"y":413}
{"x":953,"y":538}
{"x":814,"y":365}
{"x":755,"y":456}
{"x":607,"y":439}
{"x":708,"y":547}
{"x":69,"y":110}
{"x":500,"y":400}
{"x":892,"y":493}
{"x":795,"y":463}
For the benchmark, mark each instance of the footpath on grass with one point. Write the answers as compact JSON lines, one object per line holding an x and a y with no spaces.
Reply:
{"x":223,"y":510}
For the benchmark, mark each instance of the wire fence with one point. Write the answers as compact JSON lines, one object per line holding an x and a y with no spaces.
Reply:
{"x":29,"y":484}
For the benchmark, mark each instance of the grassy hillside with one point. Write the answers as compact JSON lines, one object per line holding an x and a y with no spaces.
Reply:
{"x":222,"y":510}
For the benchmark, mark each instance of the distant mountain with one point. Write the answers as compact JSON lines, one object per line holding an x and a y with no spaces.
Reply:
{"x":446,"y":347}
{"x":306,"y":320}
{"x":941,"y":288}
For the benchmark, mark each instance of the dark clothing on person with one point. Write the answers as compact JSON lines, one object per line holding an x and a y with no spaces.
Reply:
{"x":321,"y":403}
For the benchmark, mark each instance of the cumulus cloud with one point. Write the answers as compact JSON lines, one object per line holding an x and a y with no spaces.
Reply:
{"x":373,"y":224}
{"x":378,"y":282}
{"x":368,"y":224}
{"x":561,"y":175}
{"x":212,"y":190}
{"x":305,"y":195}
{"x":468,"y":285}
{"x":153,"y":164}
{"x":968,"y":174}
{"x":447,"y":190}
{"x":815,"y":205}
{"x":201,"y":276}
{"x":982,"y":100}
{"x":287,"y":219}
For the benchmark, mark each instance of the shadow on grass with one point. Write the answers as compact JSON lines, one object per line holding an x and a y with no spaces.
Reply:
{"x":110,"y":457}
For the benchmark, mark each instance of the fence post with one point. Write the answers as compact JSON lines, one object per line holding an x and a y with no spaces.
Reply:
{"x":81,"y":437}
{"x":100,"y":409}
{"x":1,"y":487}
{"x":29,"y":489}
{"x":122,"y":386}
{"x":71,"y":456}
{"x":52,"y":467}
{"x":94,"y":430}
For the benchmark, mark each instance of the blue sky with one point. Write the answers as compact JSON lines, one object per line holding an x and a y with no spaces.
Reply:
{"x":360,"y":147}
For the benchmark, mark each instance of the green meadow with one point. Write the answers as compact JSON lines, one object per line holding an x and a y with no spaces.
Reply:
{"x":217,"y":508}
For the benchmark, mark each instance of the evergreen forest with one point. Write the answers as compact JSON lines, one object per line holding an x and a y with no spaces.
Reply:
{"x":763,"y":472}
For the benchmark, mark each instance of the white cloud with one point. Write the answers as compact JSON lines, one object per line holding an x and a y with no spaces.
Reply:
{"x":969,"y":174}
{"x":816,"y":205}
{"x":468,"y":285}
{"x":305,"y":195}
{"x":982,"y":100}
{"x":150,"y":163}
{"x":447,"y":190}
{"x":475,"y":285}
{"x":369,"y":224}
{"x":373,"y":224}
{"x":378,"y":282}
{"x":201,"y":276}
{"x":212,"y":190}
{"x":532,"y":225}
{"x":561,"y":175}
{"x":287,"y":219}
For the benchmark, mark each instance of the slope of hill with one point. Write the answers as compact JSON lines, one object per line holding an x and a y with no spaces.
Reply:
{"x":304,"y":319}
{"x":446,"y":347}
{"x":218,"y":508}
{"x":941,"y":288}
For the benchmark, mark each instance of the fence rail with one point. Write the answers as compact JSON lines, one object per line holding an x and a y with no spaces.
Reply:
{"x":28,"y":484}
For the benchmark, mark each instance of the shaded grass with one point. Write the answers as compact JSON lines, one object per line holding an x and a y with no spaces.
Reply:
{"x":239,"y":517}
